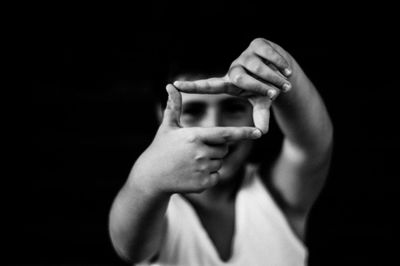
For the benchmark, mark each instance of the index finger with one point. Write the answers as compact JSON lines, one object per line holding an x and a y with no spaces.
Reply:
{"x":221,"y":135}
{"x":208,"y":86}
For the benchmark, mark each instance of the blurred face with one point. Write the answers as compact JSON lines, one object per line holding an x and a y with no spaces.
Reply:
{"x":220,"y":110}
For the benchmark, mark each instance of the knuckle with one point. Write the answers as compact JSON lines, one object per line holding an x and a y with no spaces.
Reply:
{"x":267,"y":52}
{"x":204,"y":183}
{"x":278,"y":59}
{"x":281,"y":61}
{"x":191,"y":137}
{"x":203,"y":168}
{"x":200,"y":179}
{"x":257,"y":42}
{"x":254,"y":65}
{"x":198,"y":184}
{"x":247,"y":58}
{"x":235,"y":66}
{"x":197,"y":175}
{"x":200,"y":157}
{"x":207,"y":181}
{"x":237,"y":78}
{"x":244,"y":57}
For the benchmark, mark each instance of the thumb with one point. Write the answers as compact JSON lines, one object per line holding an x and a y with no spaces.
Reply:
{"x":173,"y":109}
{"x":222,"y":135}
{"x":261,"y":112}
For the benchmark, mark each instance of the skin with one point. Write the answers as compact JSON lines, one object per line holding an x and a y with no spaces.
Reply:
{"x":220,"y":110}
{"x":189,"y":159}
{"x":215,"y":206}
{"x":197,"y":152}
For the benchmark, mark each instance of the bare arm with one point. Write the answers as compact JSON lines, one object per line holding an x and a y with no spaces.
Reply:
{"x":137,"y":222}
{"x":268,"y":76}
{"x":302,"y":166}
{"x":179,"y":160}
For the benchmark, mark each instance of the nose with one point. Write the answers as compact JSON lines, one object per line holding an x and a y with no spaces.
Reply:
{"x":211,"y":119}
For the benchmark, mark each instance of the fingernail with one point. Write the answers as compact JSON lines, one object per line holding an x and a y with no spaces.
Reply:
{"x":272,"y":94}
{"x":287,"y":72}
{"x":177,"y":83}
{"x":286,"y":87}
{"x":256,"y":133}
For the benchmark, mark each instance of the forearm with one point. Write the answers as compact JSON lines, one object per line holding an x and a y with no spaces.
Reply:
{"x":137,"y":222}
{"x":302,"y":115}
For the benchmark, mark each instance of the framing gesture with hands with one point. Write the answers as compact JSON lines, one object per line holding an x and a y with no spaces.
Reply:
{"x":198,"y":152}
{"x":259,"y":74}
{"x":201,"y":154}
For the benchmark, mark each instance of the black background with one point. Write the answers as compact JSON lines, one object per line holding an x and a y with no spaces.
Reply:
{"x":89,"y":114}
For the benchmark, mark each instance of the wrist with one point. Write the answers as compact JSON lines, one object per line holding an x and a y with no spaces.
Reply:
{"x":142,"y":183}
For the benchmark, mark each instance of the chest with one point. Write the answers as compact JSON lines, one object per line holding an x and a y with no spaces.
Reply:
{"x":219,"y":224}
{"x":251,"y":231}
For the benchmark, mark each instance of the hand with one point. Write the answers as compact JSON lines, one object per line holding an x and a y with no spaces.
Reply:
{"x":259,"y":74}
{"x":185,"y":159}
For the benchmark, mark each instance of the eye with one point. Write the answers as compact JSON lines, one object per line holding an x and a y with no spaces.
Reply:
{"x":193,"y":109}
{"x":235,"y":107}
{"x":192,"y":112}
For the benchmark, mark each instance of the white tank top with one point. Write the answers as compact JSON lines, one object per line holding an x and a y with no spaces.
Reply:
{"x":262,"y":233}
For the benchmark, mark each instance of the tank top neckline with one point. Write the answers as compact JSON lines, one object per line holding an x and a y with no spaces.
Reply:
{"x":198,"y":226}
